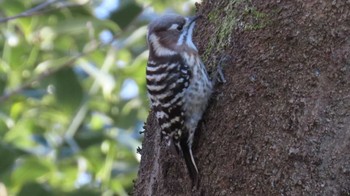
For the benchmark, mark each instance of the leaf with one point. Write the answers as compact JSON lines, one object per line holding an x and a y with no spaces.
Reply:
{"x":30,"y":169}
{"x":13,"y":7}
{"x":3,"y":82}
{"x":128,"y":114}
{"x":47,"y":65}
{"x":17,"y":110}
{"x":21,"y":133}
{"x":126,"y":14}
{"x":16,"y":56}
{"x":9,"y":155}
{"x":85,"y":192}
{"x":68,"y":92}
{"x":94,"y":158}
{"x":34,"y":189}
{"x":87,"y":139}
{"x":65,"y":177}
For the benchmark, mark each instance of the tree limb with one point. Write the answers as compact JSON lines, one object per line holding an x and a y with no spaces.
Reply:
{"x":39,"y":9}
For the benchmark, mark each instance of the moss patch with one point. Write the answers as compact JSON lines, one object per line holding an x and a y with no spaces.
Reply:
{"x":239,"y":15}
{"x":254,"y":19}
{"x":222,"y":35}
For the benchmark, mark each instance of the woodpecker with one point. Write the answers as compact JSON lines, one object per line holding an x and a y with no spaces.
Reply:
{"x":178,"y":84}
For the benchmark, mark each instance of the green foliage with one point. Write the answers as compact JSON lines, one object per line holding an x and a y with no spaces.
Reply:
{"x":126,"y":14}
{"x":72,"y":96}
{"x":68,"y":91}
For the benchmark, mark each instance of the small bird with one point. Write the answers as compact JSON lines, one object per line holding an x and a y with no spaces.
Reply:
{"x":178,"y":84}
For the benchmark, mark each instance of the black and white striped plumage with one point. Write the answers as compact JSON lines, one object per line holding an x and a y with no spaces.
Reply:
{"x":177,"y":82}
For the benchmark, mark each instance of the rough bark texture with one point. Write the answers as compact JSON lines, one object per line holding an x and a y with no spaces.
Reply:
{"x":281,"y":123}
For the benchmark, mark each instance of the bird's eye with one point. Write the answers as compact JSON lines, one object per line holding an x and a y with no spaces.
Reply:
{"x":179,"y":27}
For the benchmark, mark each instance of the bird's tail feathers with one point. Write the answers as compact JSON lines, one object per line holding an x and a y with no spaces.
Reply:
{"x":184,"y":150}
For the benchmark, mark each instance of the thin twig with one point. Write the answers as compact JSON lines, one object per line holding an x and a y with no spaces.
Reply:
{"x":29,"y":12}
{"x":39,"y":9}
{"x":31,"y":82}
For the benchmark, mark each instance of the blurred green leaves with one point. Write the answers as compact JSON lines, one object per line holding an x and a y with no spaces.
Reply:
{"x":127,"y":12}
{"x":68,"y":91}
{"x":72,"y":95}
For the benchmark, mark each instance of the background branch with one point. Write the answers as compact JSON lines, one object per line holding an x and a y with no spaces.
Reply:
{"x":41,"y":9}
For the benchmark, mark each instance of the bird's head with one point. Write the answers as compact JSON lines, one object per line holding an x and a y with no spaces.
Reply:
{"x":171,"y":34}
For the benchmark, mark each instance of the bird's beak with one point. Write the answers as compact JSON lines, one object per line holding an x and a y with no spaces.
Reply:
{"x":186,"y":36}
{"x":194,"y":18}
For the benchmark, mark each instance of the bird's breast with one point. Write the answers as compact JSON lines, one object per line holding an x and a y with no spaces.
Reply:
{"x":198,"y":93}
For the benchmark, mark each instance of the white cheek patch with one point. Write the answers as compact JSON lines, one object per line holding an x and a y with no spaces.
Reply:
{"x":186,"y":36}
{"x":183,"y":34}
{"x":174,"y":26}
{"x":158,"y":48}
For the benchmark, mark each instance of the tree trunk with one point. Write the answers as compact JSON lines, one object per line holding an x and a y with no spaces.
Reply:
{"x":280,"y":125}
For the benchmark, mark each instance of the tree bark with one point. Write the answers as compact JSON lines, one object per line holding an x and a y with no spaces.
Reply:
{"x":280,"y":125}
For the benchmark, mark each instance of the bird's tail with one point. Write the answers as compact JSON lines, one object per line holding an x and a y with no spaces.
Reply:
{"x":186,"y":151}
